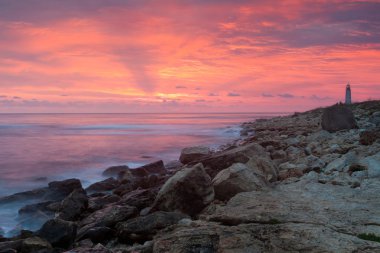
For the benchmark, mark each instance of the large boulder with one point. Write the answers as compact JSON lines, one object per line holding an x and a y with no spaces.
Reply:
{"x":143,"y":228}
{"x":156,"y":167}
{"x":114,"y":171}
{"x":237,"y":178}
{"x":97,"y":203}
{"x":192,"y":154}
{"x":107,"y":217}
{"x":338,"y":117}
{"x":103,"y":186}
{"x":253,"y":154}
{"x":188,"y":191}
{"x":35,"y":244}
{"x":73,"y":205}
{"x":59,"y":233}
{"x":139,"y":198}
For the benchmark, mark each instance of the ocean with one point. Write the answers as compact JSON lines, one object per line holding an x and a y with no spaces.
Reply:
{"x":38,"y":148}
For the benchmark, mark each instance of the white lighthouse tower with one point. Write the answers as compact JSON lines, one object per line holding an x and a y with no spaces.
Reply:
{"x":348,"y":94}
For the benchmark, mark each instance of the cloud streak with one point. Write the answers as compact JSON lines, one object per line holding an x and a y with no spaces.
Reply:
{"x":126,"y":51}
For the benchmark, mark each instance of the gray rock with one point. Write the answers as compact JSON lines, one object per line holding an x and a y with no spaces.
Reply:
{"x":114,"y":171}
{"x":193,"y":154}
{"x":338,"y":117}
{"x":143,"y":228}
{"x":103,"y":186}
{"x":107,"y":217}
{"x":59,"y":233}
{"x":237,"y":178}
{"x":188,"y":191}
{"x":35,"y":244}
{"x":255,"y":238}
{"x":73,"y":205}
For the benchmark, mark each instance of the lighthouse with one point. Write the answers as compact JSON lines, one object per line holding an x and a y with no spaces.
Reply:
{"x":348,"y":94}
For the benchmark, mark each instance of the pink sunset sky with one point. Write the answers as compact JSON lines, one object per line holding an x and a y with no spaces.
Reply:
{"x":186,"y":56}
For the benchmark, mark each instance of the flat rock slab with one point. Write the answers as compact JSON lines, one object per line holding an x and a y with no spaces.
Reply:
{"x":259,"y":238}
{"x":348,"y":210}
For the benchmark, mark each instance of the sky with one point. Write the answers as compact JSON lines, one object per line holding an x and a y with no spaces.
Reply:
{"x":186,"y":55}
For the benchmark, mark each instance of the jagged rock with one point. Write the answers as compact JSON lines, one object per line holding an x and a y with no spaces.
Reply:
{"x":11,"y":246}
{"x":59,"y":233}
{"x":279,"y":154}
{"x":369,"y":137}
{"x":287,"y":173}
{"x":188,"y":191}
{"x":114,"y":171}
{"x":35,"y":244}
{"x":97,"y":234}
{"x":156,"y":167}
{"x":23,"y":196}
{"x":287,"y":237}
{"x":103,"y":186}
{"x":97,"y":203}
{"x":65,"y":187}
{"x":173,"y":165}
{"x":315,"y":163}
{"x":139,"y":198}
{"x":237,"y":178}
{"x":192,"y":154}
{"x":254,"y":155}
{"x":143,"y":228}
{"x":73,"y":205}
{"x":338,"y":117}
{"x":107,"y":217}
{"x":99,"y":248}
{"x":308,"y":202}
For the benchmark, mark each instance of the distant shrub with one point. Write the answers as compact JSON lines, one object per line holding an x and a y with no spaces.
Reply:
{"x":369,"y":237}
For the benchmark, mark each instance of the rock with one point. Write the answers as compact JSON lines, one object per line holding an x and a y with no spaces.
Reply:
{"x":315,"y":163}
{"x":35,"y":244}
{"x":97,"y":203}
{"x":103,"y":186}
{"x":73,"y":205}
{"x":99,"y":248}
{"x":188,"y":191}
{"x":107,"y":217}
{"x":151,"y":168}
{"x":173,"y":165}
{"x":33,"y":208}
{"x":254,"y":155}
{"x":288,"y":173}
{"x":59,"y":233}
{"x":288,"y":237}
{"x":193,"y":154}
{"x":326,"y":205}
{"x":237,"y":178}
{"x":279,"y":154}
{"x":143,"y":228}
{"x":24,"y":196}
{"x":338,"y":117}
{"x":372,"y":163}
{"x":139,"y":198}
{"x":97,"y":234}
{"x":58,"y":190}
{"x":10,"y":246}
{"x":369,"y":137}
{"x":114,"y":171}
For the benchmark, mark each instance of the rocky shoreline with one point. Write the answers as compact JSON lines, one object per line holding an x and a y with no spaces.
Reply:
{"x":308,"y":182}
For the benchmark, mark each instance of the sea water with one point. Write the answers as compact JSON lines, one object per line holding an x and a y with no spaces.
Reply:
{"x":38,"y":148}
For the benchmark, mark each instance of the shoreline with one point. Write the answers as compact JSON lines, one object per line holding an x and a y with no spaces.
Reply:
{"x":281,"y":154}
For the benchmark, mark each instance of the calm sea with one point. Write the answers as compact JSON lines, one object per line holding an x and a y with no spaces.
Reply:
{"x":38,"y":148}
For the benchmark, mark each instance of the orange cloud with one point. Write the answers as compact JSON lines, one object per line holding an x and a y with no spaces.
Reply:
{"x":138,"y":55}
